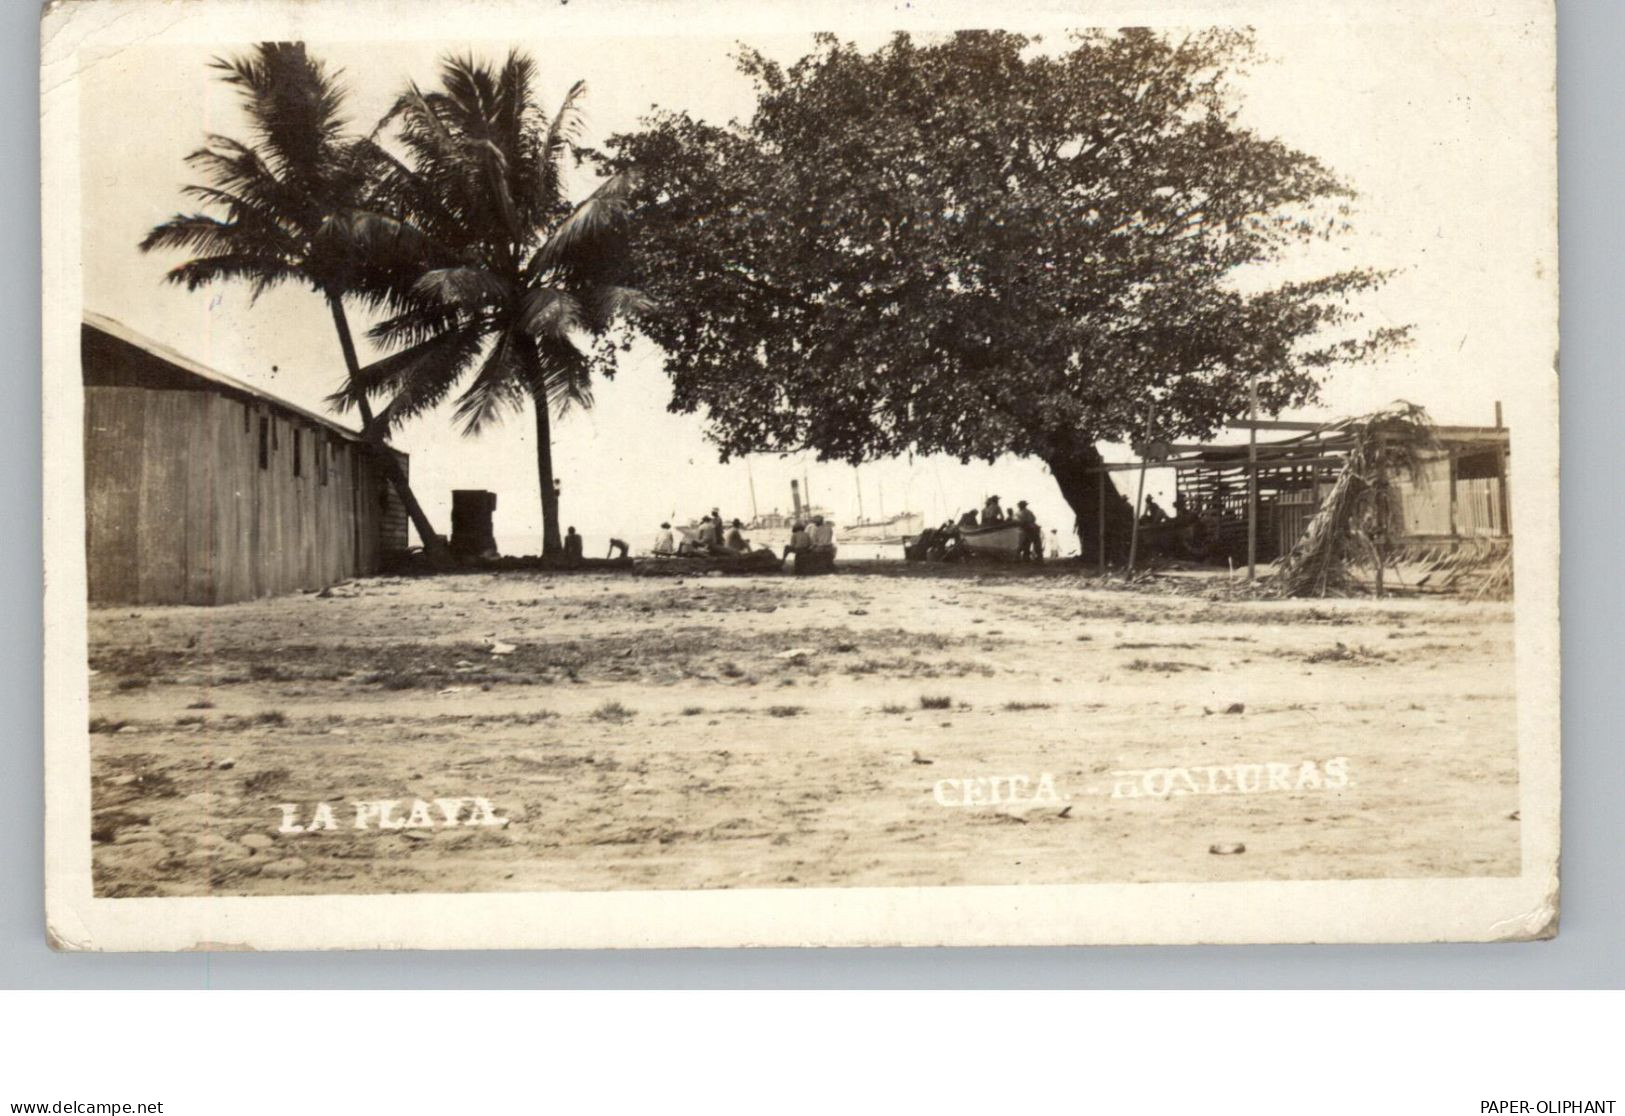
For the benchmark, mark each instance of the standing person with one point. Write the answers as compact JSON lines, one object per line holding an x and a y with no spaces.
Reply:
{"x":1032,"y":538}
{"x":1054,"y":543}
{"x":664,"y":543}
{"x":572,"y":547}
{"x":716,"y":527}
{"x":992,"y":514}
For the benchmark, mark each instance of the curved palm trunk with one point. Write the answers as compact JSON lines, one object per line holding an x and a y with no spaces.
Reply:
{"x":373,"y":438}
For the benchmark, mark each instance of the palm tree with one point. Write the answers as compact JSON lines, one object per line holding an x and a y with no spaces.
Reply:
{"x":512,"y":280}
{"x":277,"y":199}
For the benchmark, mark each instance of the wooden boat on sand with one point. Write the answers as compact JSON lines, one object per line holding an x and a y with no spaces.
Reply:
{"x":697,"y":565}
{"x":1001,"y":541}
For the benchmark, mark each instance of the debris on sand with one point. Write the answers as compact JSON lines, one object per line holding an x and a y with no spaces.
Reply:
{"x":1236,"y":707}
{"x":1231,"y":849}
{"x":919,"y":759}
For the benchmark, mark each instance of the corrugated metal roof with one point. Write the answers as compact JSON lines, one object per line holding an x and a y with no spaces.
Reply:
{"x":121,"y":332}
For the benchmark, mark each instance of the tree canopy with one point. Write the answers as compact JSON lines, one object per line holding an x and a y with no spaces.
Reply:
{"x":980,"y":246}
{"x":504,"y":278}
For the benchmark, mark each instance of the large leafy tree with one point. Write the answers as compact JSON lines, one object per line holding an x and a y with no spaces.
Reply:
{"x":270,"y":208}
{"x":512,"y":282}
{"x":978,"y":246}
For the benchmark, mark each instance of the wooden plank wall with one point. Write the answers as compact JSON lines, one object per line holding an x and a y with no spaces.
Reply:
{"x":1426,"y":510}
{"x":179,"y":510}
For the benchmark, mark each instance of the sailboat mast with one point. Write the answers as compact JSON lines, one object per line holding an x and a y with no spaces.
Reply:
{"x":751,"y":477}
{"x":858,"y":481}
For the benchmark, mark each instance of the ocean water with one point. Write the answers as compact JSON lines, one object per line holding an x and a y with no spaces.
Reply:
{"x":524,"y":545}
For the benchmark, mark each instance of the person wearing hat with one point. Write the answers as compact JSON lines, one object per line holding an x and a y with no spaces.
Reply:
{"x":992,"y":514}
{"x":664,"y":542}
{"x":736,"y":538}
{"x":1032,"y":538}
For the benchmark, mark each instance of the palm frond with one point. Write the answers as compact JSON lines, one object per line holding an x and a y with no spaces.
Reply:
{"x":1391,"y":440}
{"x":566,"y":376}
{"x":294,"y":106}
{"x":382,"y":241}
{"x":562,"y":133}
{"x":416,"y":378}
{"x":549,"y":313}
{"x":259,"y":272}
{"x":605,"y":209}
{"x":419,"y":321}
{"x":498,"y":385}
{"x":468,"y":288}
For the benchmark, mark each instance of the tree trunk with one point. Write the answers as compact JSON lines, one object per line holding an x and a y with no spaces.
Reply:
{"x":1076,"y":472}
{"x":552,"y":545}
{"x":374,"y":440}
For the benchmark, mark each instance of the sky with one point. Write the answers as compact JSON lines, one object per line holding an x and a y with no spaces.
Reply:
{"x":1435,"y":131}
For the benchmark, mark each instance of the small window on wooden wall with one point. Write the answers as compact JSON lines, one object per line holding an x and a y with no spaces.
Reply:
{"x":265,"y":442}
{"x":298,"y":461}
{"x":248,"y":410}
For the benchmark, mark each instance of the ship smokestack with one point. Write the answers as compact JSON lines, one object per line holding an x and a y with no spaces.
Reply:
{"x":795,"y":498}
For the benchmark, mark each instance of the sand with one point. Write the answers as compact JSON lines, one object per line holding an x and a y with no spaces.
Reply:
{"x":774,"y":732}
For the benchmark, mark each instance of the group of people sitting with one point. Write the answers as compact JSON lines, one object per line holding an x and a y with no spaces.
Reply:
{"x":712,"y":539}
{"x":813,"y":536}
{"x":994,"y":515}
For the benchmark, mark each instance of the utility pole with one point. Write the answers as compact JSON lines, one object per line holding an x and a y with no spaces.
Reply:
{"x":1252,"y":477}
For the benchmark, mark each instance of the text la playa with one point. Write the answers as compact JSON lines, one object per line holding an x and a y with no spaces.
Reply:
{"x":391,"y":813}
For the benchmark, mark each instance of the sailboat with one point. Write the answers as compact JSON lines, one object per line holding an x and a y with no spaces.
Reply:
{"x":894,"y":529}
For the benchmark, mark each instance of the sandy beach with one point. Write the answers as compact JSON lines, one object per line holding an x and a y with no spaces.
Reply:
{"x":590,"y":732}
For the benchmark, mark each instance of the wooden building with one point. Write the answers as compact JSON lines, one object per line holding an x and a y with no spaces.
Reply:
{"x":1459,"y":498}
{"x":1460,"y":493}
{"x":201,"y":489}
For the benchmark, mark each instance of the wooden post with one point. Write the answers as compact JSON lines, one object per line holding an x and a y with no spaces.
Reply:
{"x":1382,"y":527}
{"x":1100,"y":542}
{"x":1506,"y":495}
{"x":1454,"y":531}
{"x":1139,"y":496}
{"x":1252,"y":477}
